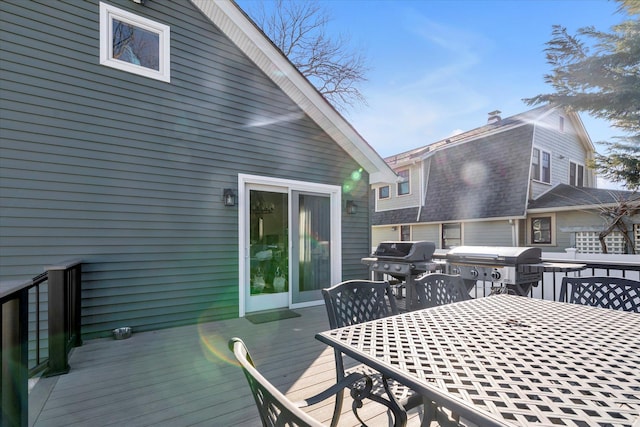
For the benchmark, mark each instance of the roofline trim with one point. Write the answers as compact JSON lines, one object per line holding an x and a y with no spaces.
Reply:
{"x":570,"y":208}
{"x":502,"y":128}
{"x":501,"y":218}
{"x":242,"y":31}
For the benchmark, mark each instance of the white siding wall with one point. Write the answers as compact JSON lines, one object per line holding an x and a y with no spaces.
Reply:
{"x":406,"y":201}
{"x":565,"y":147}
{"x":489,"y":233}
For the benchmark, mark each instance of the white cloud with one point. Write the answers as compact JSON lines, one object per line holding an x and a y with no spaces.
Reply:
{"x":420,"y":103}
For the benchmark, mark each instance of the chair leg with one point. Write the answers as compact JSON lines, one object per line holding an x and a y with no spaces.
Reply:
{"x":430,"y":413}
{"x":337,"y":409}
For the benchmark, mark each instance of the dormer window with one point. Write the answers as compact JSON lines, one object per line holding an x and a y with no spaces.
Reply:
{"x":403,"y":185}
{"x":134,"y":44}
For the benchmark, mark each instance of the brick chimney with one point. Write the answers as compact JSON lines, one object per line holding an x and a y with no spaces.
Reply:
{"x":494,"y":118}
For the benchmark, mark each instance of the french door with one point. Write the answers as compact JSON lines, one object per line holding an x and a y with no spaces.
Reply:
{"x":290,"y":240}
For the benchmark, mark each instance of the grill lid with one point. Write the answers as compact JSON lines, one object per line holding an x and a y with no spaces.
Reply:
{"x":405,"y":251}
{"x":503,"y":255}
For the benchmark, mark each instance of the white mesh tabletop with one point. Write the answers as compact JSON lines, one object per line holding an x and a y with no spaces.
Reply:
{"x":510,"y":360}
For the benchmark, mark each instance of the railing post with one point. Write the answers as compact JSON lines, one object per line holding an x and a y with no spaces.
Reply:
{"x":65,"y":288}
{"x":76,"y":305}
{"x":14,"y":385}
{"x":58,"y":323}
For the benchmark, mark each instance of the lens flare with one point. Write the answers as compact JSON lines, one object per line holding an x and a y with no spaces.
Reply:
{"x":474,"y":174}
{"x":356,"y":175}
{"x":350,"y":184}
{"x":214,"y":345}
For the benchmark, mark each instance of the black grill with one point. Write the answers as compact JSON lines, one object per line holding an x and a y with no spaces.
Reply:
{"x":403,"y":261}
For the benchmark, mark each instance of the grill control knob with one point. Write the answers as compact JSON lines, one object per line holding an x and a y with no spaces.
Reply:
{"x":375,"y":265}
{"x":473,"y":272}
{"x":495,"y":275}
{"x":385,"y":266}
{"x":455,"y":270}
{"x":397,"y":267}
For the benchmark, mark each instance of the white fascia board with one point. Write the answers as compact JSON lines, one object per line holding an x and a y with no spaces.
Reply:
{"x":230,"y":19}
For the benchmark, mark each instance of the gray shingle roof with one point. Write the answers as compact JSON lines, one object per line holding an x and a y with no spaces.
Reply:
{"x":515,"y":120}
{"x":397,"y":216}
{"x":484,"y":178}
{"x":564,"y":195}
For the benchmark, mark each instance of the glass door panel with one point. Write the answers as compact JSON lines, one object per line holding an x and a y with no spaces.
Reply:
{"x":268,"y":250}
{"x":311,"y":239}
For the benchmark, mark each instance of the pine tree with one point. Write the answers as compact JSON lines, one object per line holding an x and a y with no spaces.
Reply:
{"x":602,"y":79}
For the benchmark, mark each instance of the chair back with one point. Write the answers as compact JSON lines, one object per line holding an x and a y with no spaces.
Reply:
{"x":605,"y":292}
{"x":356,"y":301}
{"x":274,"y":407}
{"x":438,"y":289}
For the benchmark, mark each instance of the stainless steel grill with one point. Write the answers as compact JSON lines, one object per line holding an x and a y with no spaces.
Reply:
{"x":510,"y":269}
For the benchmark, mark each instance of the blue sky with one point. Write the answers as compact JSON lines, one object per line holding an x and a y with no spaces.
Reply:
{"x":439,"y":66}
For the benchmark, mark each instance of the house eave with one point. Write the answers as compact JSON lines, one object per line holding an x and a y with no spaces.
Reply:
{"x":502,"y":218}
{"x":239,"y":28}
{"x":570,"y":208}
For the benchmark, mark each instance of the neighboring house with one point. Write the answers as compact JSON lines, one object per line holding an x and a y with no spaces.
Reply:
{"x":478,"y":187}
{"x":578,"y":215}
{"x":176,"y":151}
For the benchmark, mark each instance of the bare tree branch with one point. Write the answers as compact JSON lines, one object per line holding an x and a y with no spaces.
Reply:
{"x":297,"y":28}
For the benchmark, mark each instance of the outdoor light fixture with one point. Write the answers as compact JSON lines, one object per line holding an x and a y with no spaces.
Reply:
{"x":352,"y":208}
{"x":229,"y":197}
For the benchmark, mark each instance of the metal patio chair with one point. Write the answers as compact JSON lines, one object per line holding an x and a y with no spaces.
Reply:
{"x":438,"y":288}
{"x":276,"y":410}
{"x":605,"y":292}
{"x":356,"y":301}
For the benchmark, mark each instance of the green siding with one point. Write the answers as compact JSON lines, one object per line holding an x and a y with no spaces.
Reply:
{"x":126,"y":172}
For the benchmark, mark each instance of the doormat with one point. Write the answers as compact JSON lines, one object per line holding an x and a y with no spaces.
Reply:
{"x":270,"y":316}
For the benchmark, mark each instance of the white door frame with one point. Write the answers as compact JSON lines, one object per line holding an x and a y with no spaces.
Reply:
{"x":335,"y":194}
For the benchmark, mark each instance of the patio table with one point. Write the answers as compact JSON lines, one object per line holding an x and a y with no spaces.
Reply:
{"x":508,"y":360}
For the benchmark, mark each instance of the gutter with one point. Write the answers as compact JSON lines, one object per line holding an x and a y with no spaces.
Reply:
{"x":426,"y":185}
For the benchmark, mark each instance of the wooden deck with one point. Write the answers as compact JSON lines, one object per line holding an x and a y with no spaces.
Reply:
{"x":185,"y":377}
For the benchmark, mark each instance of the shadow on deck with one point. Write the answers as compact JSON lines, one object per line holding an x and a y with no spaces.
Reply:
{"x":186,"y":376}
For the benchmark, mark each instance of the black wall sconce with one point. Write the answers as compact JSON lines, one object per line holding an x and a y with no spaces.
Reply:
{"x":229,"y":197}
{"x":352,"y":208}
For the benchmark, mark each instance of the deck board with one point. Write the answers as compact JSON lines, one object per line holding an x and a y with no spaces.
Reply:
{"x":184,"y":376}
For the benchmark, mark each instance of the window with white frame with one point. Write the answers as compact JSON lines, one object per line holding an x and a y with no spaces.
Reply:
{"x":541,"y":230}
{"x":587,"y":242}
{"x":403,"y":185}
{"x":576,"y":174}
{"x":383,"y":192}
{"x":405,"y":233}
{"x":541,"y":165}
{"x":451,"y":235}
{"x":134,"y":44}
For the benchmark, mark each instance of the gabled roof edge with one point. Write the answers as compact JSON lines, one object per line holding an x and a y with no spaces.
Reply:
{"x":240,"y":29}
